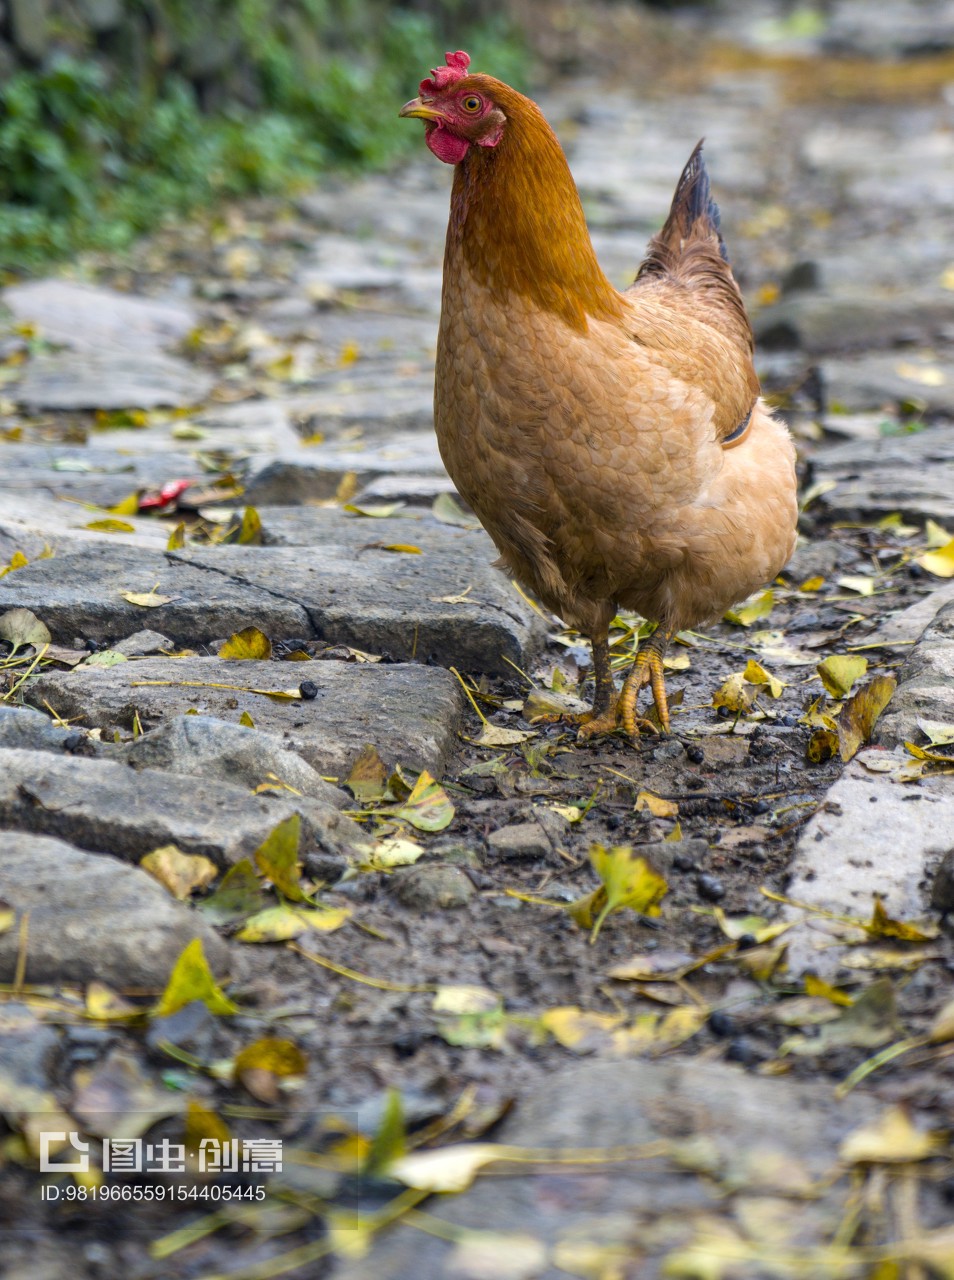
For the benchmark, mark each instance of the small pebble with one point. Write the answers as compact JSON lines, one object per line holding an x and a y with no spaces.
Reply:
{"x":721,"y":1024}
{"x":942,"y":891}
{"x":710,"y":887}
{"x":308,"y":689}
{"x":684,"y":862}
{"x":695,"y":754}
{"x":743,"y":1051}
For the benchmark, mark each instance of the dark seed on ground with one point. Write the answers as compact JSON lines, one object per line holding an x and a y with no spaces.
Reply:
{"x":743,"y":1051}
{"x":308,"y":689}
{"x":747,"y":940}
{"x":710,"y":887}
{"x":695,"y":754}
{"x":721,"y":1024}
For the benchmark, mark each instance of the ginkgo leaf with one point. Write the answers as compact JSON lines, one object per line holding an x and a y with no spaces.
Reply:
{"x":17,"y":561}
{"x":576,"y":1029}
{"x":935,"y":535}
{"x":20,"y":627}
{"x":270,"y":1053}
{"x":733,"y":694}
{"x":128,"y":506}
{"x":191,"y":979}
{"x":277,"y":857}
{"x":110,"y":526}
{"x":368,"y":778}
{"x":448,"y":510}
{"x":938,"y":733}
{"x":656,"y":805}
{"x":860,"y":714}
{"x":493,"y":735}
{"x":628,"y":881}
{"x":447,"y":1169}
{"x":247,"y":645}
{"x":839,"y":672}
{"x":856,"y":582}
{"x":822,"y":745}
{"x":376,"y":511}
{"x":395,"y":852}
{"x":250,"y":530}
{"x":405,"y":548}
{"x":882,"y":926}
{"x":238,"y":896}
{"x":464,"y":999}
{"x":179,"y":872}
{"x":146,"y":599}
{"x":427,"y":807}
{"x":281,"y":923}
{"x":758,"y":606}
{"x":940,"y":562}
{"x":755,"y":673}
{"x":890,"y":1139}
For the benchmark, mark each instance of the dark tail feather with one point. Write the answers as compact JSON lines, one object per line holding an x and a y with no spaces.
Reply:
{"x":690,"y":253}
{"x":693,"y":215}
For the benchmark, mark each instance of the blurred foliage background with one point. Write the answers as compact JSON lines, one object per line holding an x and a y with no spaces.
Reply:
{"x":117,"y":113}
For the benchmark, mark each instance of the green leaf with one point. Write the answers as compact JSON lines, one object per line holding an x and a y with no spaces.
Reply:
{"x":758,"y":606}
{"x":840,"y":672}
{"x":191,"y":979}
{"x":389,"y":1142}
{"x":628,"y":881}
{"x":111,"y":526}
{"x":427,"y":807}
{"x":238,"y":896}
{"x":277,"y":858}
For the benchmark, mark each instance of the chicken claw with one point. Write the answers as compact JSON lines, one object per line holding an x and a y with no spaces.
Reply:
{"x":646,"y":669}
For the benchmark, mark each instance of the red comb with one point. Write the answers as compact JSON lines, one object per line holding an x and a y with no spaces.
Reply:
{"x":441,"y":77}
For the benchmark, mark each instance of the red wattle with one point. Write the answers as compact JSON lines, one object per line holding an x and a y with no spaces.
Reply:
{"x":446,"y":146}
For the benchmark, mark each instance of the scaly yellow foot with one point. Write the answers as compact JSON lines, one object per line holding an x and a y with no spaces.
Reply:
{"x":647,"y":669}
{"x":592,"y":722}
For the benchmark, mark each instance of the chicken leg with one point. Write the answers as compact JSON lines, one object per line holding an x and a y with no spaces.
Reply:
{"x":611,"y":709}
{"x":647,"y":668}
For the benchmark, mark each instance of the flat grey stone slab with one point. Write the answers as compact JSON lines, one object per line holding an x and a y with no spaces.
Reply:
{"x":758,"y":1133}
{"x":31,"y":523}
{"x":856,"y":319}
{"x":96,"y":473}
{"x":870,"y":836}
{"x":890,"y":379}
{"x":204,"y":747}
{"x":110,"y":379}
{"x":313,"y":473}
{"x":371,"y":400}
{"x":446,"y":604}
{"x":92,"y":917}
{"x":409,"y":712}
{"x":912,"y":474}
{"x":925,"y":687}
{"x":79,"y":594}
{"x":89,"y":318}
{"x":111,"y":808}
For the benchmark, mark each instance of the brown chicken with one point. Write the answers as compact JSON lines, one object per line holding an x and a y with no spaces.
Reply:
{"x":614,"y":445}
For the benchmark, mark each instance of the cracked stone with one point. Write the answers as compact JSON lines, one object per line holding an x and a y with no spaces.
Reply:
{"x":101,"y":805}
{"x":409,"y":712}
{"x":79,"y":595}
{"x":446,"y":604}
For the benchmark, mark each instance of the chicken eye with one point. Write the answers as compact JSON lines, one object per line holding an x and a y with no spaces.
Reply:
{"x":472,"y":103}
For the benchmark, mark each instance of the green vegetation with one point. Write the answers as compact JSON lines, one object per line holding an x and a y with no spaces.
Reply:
{"x":94,"y":152}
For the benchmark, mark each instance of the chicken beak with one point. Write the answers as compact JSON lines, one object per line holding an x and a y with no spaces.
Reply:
{"x":416,"y":109}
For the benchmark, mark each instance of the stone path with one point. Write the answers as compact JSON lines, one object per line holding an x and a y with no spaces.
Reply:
{"x":311,"y":393}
